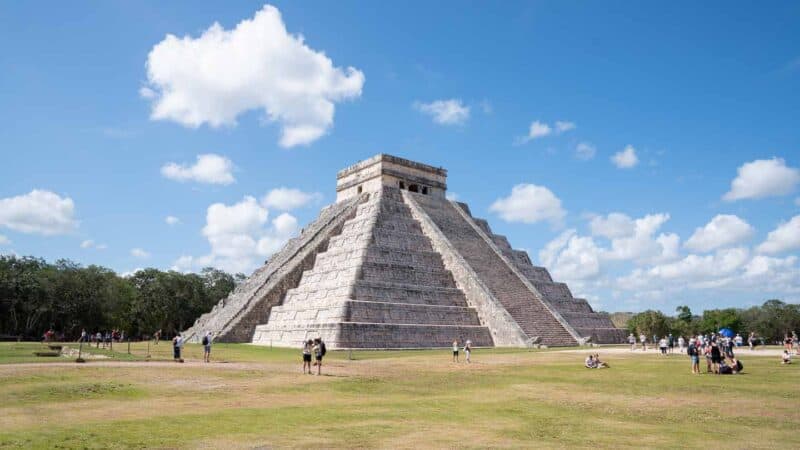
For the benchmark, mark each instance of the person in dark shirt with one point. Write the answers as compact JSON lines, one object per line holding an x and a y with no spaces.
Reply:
{"x":716,"y":357}
{"x":695,"y":356}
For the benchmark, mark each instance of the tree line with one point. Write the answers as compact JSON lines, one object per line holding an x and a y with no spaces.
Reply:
{"x":36,"y":295}
{"x":770,"y":321}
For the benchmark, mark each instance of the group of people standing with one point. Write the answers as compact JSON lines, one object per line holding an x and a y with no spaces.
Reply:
{"x":314,"y":347}
{"x":106,"y":339}
{"x":467,"y":351}
{"x":718,"y":351}
{"x":177,"y":347}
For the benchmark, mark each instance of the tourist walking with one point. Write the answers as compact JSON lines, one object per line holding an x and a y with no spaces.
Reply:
{"x":207,"y":347}
{"x":156,"y":337}
{"x":643,"y":340}
{"x":751,"y":340}
{"x":671,"y":343}
{"x":455,"y":351}
{"x":97,"y":338}
{"x":632,"y":341}
{"x":83,"y":336}
{"x":681,"y":343}
{"x":307,"y":346}
{"x":468,"y":351}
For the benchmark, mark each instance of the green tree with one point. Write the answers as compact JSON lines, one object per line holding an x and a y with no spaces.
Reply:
{"x":649,"y":323}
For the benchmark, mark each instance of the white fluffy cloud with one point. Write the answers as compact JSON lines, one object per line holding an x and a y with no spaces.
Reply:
{"x":692,"y":271}
{"x":240,"y":236}
{"x":286,"y":199}
{"x":763,"y":178}
{"x":723,"y":230}
{"x":540,"y":129}
{"x":571,"y":257}
{"x":642,"y":245}
{"x":529,"y":203}
{"x":784,"y":238}
{"x":258,"y":65}
{"x":445,"y":112}
{"x":39,"y":212}
{"x":209,"y":168}
{"x":563,"y":126}
{"x":89,"y":243}
{"x":139,"y":253}
{"x":585,"y":151}
{"x":172,"y":220}
{"x":614,"y":225}
{"x":632,"y":260}
{"x":625,"y":159}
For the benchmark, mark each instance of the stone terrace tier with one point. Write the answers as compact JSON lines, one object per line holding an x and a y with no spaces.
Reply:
{"x":378,"y":285}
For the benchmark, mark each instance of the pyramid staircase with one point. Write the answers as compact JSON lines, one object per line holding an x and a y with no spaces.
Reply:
{"x":379,"y":284}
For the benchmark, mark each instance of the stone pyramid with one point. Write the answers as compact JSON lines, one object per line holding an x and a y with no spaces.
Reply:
{"x":394,"y":264}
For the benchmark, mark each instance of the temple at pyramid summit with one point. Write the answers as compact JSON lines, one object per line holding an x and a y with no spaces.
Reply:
{"x":395,"y":264}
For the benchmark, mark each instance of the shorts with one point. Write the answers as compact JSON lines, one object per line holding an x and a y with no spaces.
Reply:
{"x":716,"y":359}
{"x":207,"y":348}
{"x":319,"y":358}
{"x":455,"y":352}
{"x":306,"y":357}
{"x":695,"y":359}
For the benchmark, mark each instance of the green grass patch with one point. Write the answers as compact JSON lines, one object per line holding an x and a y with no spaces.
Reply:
{"x":402,"y":399}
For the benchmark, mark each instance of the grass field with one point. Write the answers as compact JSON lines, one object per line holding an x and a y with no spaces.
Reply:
{"x":258,"y":397}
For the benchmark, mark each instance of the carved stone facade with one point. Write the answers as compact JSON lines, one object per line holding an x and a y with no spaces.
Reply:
{"x":394,"y":264}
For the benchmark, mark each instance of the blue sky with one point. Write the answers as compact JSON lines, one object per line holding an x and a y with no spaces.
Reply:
{"x":700,"y":101}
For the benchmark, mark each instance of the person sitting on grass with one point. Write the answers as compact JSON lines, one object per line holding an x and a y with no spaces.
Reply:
{"x":599,"y":364}
{"x":786,"y":358}
{"x":590,"y":363}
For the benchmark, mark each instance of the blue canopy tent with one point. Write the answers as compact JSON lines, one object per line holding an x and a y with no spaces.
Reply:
{"x":727,"y":332}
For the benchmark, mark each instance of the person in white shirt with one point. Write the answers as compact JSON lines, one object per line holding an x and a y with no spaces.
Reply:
{"x":643,"y":340}
{"x":589,"y":362}
{"x":455,"y":351}
{"x":681,"y":343}
{"x":468,"y":350}
{"x":632,"y":341}
{"x":662,"y":344}
{"x":786,"y":358}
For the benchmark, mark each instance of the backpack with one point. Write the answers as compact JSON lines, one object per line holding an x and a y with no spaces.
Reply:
{"x":205,"y":340}
{"x":322,"y":349}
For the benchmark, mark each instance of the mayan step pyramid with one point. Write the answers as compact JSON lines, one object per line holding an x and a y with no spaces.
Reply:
{"x":394,"y":264}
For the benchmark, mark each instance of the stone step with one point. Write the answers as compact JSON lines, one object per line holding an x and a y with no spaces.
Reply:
{"x":402,"y":293}
{"x":404,"y":274}
{"x":373,"y":335}
{"x":344,"y":310}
